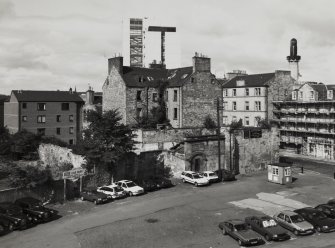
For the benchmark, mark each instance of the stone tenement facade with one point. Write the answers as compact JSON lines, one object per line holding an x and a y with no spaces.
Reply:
{"x":189,"y":92}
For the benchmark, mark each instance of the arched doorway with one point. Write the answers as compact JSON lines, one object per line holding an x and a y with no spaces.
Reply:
{"x":198,"y":162}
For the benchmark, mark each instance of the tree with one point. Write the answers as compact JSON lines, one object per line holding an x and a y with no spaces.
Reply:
{"x":4,"y":141}
{"x":106,"y":139}
{"x":235,"y":125}
{"x":209,"y":123}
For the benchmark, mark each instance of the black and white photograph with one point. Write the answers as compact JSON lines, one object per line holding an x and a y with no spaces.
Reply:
{"x":167,"y":124}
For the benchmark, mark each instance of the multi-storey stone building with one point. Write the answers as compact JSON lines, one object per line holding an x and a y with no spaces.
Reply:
{"x":190,"y":92}
{"x":50,"y":113}
{"x":249,"y":97}
{"x":307,"y":120}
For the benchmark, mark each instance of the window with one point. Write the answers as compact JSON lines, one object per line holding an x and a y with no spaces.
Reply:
{"x":258,"y":106}
{"x":234,"y":92}
{"x":175,"y":94}
{"x":71,"y":130}
{"x":139,"y":112}
{"x":71,"y":142}
{"x":70,"y":118}
{"x":65,"y":106}
{"x":24,"y":118}
{"x":275,"y":171}
{"x":41,"y":119}
{"x":225,"y":92}
{"x":167,"y":113}
{"x":234,"y":119}
{"x":24,"y":105}
{"x":246,"y":121}
{"x":175,"y":113}
{"x":40,"y":106}
{"x":154,"y":97}
{"x":138,"y":95}
{"x":294,"y":95}
{"x":58,"y":130}
{"x":234,"y":106}
{"x":192,"y":80}
{"x":287,"y":172}
{"x":257,"y":91}
{"x":41,"y":131}
{"x":300,"y":95}
{"x":225,"y":120}
{"x":247,"y":105}
{"x":246,"y":91}
{"x":311,"y":94}
{"x":58,"y":118}
{"x":329,"y":94}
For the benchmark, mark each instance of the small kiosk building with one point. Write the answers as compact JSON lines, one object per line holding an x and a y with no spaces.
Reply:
{"x":279,"y":173}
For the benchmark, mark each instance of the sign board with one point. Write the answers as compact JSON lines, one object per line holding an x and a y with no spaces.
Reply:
{"x":250,"y":134}
{"x":74,"y":173}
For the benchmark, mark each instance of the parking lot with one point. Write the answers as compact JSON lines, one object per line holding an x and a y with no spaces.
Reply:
{"x":182,"y":216}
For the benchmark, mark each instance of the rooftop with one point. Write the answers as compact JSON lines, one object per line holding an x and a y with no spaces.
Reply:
{"x":46,"y":96}
{"x":253,"y":80}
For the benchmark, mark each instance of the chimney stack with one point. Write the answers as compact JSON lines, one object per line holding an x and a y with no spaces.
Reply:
{"x":117,"y":62}
{"x":201,"y":63}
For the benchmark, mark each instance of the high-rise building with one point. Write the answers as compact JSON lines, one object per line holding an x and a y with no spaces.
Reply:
{"x":143,"y":46}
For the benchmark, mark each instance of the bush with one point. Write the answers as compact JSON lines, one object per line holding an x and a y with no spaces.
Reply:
{"x":209,"y":123}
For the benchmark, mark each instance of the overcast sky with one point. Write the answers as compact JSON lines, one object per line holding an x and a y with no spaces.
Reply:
{"x":55,"y":44}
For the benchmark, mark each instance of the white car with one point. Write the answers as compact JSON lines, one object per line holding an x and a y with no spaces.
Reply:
{"x":210,"y":175}
{"x":113,"y":190}
{"x":194,"y":178}
{"x":130,"y":187}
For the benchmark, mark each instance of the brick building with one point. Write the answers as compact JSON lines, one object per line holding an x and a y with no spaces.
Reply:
{"x":190,"y":92}
{"x":307,"y":120}
{"x":50,"y":113}
{"x":249,"y":97}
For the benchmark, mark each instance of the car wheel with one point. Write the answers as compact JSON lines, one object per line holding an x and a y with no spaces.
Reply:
{"x":267,"y":237}
{"x":318,"y":229}
{"x":183,"y":180}
{"x":131,"y":194}
{"x":296,"y":233}
{"x":82,"y":198}
{"x":95,"y":202}
{"x":240,"y":242}
{"x":196,"y":184}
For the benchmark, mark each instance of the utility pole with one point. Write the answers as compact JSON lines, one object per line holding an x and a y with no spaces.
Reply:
{"x":218,"y":133}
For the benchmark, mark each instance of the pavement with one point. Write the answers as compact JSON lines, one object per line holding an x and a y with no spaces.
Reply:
{"x":182,"y":216}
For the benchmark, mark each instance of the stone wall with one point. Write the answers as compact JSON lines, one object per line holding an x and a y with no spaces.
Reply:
{"x":199,"y":99}
{"x":114,"y":94}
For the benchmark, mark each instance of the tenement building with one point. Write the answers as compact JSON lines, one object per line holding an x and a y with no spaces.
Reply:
{"x":50,"y":113}
{"x":249,"y":97}
{"x":190,"y":93}
{"x":307,"y":120}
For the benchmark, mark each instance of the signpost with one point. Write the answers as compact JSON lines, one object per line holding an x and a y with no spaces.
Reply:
{"x":74,"y":174}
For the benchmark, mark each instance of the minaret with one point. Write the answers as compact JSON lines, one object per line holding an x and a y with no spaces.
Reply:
{"x":294,"y":59}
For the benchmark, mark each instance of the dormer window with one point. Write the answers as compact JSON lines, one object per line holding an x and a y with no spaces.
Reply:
{"x":140,"y":79}
{"x":240,"y":83}
{"x":311,"y":94}
{"x":330,"y":94}
{"x":294,"y":95}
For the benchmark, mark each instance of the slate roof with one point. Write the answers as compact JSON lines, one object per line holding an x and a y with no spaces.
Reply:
{"x":253,"y":80}
{"x":321,"y":89}
{"x":4,"y":98}
{"x":146,"y":77}
{"x":46,"y":96}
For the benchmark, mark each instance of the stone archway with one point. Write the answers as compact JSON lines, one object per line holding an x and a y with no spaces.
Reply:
{"x":198,"y":162}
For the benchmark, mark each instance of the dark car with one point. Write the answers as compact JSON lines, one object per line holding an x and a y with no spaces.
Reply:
{"x":148,"y":185}
{"x":267,"y":227}
{"x":226,"y":175}
{"x":5,"y":225}
{"x":327,"y":209}
{"x":91,"y":194}
{"x":162,"y":182}
{"x":318,"y":219}
{"x":15,"y":215}
{"x":240,"y":231}
{"x":34,"y":209}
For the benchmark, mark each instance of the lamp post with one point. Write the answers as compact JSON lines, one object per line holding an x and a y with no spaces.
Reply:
{"x":218,"y":131}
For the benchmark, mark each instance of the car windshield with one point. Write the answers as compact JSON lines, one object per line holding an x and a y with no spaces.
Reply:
{"x":296,"y":218}
{"x":132,"y":184}
{"x":269,"y":223}
{"x":196,"y":176}
{"x":319,"y":215}
{"x":211,"y":174}
{"x":241,"y":227}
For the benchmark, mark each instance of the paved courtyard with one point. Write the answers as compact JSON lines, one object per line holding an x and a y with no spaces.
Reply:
{"x":182,"y":216}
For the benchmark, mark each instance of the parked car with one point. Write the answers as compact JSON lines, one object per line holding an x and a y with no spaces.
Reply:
{"x":211,"y":176}
{"x":130,"y":187}
{"x":113,"y":190}
{"x":35,"y":209}
{"x":294,"y":222}
{"x":15,"y":215}
{"x":194,"y":178}
{"x":5,"y":226}
{"x":241,"y":232}
{"x":318,"y":219}
{"x":162,"y":182}
{"x":227,"y":175}
{"x":327,"y":209}
{"x":267,"y":227}
{"x":91,"y":194}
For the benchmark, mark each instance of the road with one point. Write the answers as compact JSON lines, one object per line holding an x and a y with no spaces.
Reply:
{"x":182,"y":216}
